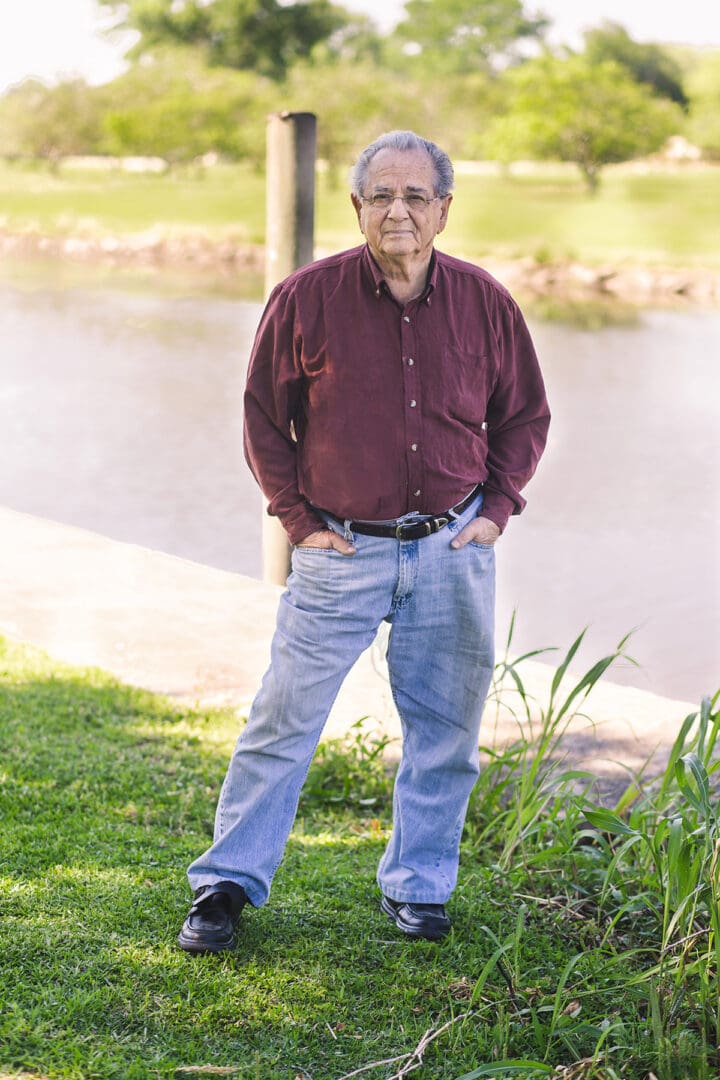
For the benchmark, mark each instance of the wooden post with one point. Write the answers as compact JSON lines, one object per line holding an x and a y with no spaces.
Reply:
{"x":289,"y":236}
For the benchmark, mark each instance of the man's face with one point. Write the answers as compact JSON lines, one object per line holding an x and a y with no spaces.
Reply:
{"x":400,"y":230}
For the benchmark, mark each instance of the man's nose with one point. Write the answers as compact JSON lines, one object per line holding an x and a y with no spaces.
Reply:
{"x":397,"y":208}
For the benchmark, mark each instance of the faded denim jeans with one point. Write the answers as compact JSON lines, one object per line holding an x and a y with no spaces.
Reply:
{"x":439,"y":603}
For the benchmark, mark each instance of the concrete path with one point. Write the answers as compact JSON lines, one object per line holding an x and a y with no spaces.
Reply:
{"x":202,"y":636}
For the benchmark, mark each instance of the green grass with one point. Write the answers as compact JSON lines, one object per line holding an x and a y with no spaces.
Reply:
{"x":224,"y":202}
{"x":661,"y":217}
{"x":574,"y":952}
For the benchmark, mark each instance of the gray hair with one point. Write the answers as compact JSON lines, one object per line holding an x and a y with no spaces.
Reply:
{"x":404,"y":140}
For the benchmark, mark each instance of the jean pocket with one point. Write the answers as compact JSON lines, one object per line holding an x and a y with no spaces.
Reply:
{"x":305,"y":549}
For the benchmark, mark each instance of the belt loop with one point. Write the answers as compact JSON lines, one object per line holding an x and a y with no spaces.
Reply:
{"x":347,"y":535}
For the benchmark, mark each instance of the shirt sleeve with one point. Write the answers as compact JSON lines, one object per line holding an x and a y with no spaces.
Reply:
{"x":271,"y":406}
{"x":518,"y":418}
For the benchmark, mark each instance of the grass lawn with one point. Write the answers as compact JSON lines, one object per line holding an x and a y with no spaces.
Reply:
{"x":575,"y":953}
{"x":660,"y":217}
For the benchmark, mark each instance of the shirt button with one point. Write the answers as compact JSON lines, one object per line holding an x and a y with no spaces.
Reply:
{"x":414,"y":446}
{"x":416,"y":492}
{"x":406,"y":318}
{"x":413,"y":403}
{"x":410,"y":361}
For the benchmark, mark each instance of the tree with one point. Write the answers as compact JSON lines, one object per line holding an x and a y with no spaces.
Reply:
{"x":376,"y":99}
{"x":49,"y":123}
{"x":172,"y":106}
{"x":358,"y":39}
{"x":704,"y":87}
{"x":466,"y":35}
{"x":572,"y":110}
{"x":646,"y":63}
{"x":266,"y":36}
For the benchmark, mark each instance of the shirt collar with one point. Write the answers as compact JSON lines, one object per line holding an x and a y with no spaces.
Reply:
{"x":379,"y":284}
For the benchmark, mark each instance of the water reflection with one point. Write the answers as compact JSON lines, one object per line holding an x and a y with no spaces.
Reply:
{"x":621,"y":529}
{"x":120,"y":412}
{"x":588,"y":313}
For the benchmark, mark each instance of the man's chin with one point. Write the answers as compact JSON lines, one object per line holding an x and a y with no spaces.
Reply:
{"x":398,"y":245}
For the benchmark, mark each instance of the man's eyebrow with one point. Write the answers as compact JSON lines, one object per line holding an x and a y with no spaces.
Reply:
{"x":410,"y":188}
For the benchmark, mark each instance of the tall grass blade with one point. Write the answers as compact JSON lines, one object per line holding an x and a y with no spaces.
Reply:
{"x":699,"y":797}
{"x":487,"y":969}
{"x":560,"y":673}
{"x":510,"y":1067}
{"x":677,"y":749}
{"x":607,"y":821}
{"x":557,"y":1003}
{"x":588,"y":681}
{"x":710,"y":704}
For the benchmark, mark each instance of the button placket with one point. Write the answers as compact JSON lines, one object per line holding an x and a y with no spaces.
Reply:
{"x":413,"y":412}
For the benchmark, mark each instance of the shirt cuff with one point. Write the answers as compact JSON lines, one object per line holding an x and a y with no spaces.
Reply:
{"x":497,"y":507}
{"x":300,"y":523}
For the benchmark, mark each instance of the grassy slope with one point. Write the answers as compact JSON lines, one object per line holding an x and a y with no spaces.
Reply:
{"x":108,"y":792}
{"x":661,"y":217}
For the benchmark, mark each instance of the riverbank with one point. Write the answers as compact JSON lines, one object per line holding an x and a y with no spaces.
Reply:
{"x":648,"y":238}
{"x":195,"y":251}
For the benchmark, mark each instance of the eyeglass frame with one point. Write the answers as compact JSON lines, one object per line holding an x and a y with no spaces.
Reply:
{"x":404,"y":199}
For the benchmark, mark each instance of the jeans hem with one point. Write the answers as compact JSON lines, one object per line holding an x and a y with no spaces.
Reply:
{"x":208,"y":879}
{"x":406,"y":898}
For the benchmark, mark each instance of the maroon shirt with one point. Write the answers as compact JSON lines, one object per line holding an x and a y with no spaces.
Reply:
{"x":371,"y":409}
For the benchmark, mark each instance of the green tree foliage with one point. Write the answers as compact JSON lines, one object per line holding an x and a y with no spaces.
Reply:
{"x":573,"y":110}
{"x":646,"y":63}
{"x":466,"y":35}
{"x":266,"y":36}
{"x":465,"y":106}
{"x":175,"y":107}
{"x":353,"y":103}
{"x":48,"y":123}
{"x":358,"y":39}
{"x":704,"y":87}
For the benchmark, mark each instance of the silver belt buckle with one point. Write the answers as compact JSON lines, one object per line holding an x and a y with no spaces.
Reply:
{"x":427,"y":525}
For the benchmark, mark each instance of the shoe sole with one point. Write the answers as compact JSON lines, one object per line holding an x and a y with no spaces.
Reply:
{"x":200,"y":948}
{"x":410,"y":931}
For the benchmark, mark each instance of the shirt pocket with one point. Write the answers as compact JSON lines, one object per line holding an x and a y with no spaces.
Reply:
{"x":466,"y":387}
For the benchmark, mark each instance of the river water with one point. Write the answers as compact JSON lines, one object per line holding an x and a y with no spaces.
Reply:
{"x":120,"y":412}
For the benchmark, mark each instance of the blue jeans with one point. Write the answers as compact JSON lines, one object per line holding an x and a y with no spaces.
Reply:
{"x":440,"y":605}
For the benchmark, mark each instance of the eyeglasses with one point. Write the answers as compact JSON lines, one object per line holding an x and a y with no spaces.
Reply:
{"x":383,"y":200}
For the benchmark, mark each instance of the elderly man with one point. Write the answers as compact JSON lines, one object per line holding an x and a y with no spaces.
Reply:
{"x":394,"y":411}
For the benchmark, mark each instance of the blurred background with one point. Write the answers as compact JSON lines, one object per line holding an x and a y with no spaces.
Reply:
{"x":587,"y":145}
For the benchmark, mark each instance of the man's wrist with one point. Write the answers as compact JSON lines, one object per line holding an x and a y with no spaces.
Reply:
{"x":301,"y":524}
{"x":497,"y":519}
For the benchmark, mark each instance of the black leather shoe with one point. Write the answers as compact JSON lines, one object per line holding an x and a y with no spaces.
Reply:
{"x":417,"y":920}
{"x":210,"y":925}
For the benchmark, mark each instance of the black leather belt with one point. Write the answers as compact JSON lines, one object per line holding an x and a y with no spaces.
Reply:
{"x":408,"y":530}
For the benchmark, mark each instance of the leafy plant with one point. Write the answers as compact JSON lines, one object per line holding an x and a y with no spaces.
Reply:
{"x":351,"y":771}
{"x":663,"y":856}
{"x":523,"y":787}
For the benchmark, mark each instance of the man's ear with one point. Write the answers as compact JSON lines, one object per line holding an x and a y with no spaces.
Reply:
{"x":444,"y":216}
{"x":358,"y":207}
